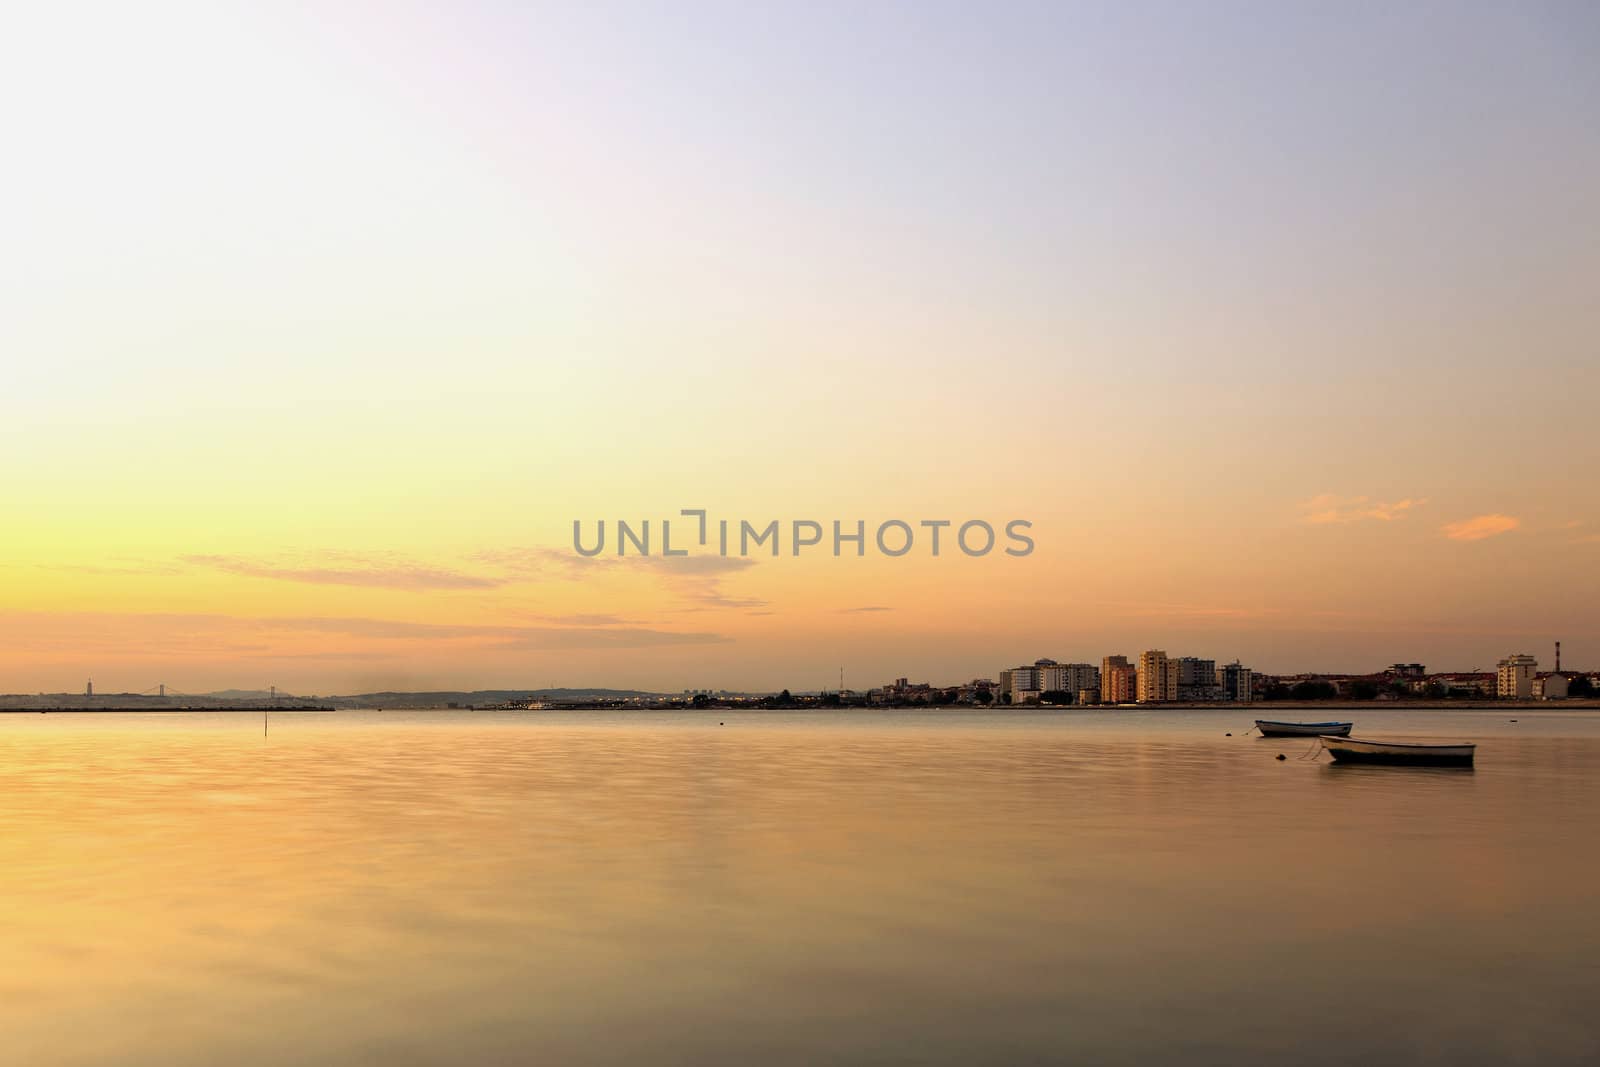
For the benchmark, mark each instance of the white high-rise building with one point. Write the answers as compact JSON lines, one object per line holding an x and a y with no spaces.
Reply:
{"x":1514,"y":678}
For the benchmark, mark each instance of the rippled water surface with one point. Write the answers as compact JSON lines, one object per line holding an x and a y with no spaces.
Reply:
{"x":459,"y":887}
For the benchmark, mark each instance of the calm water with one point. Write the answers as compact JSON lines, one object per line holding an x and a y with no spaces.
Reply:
{"x":459,"y":887}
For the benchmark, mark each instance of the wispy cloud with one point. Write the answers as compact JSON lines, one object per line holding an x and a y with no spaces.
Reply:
{"x":498,"y":636}
{"x":586,"y":619}
{"x":864,"y":609}
{"x":696,"y":565}
{"x":698,"y":579}
{"x":1480,"y":527}
{"x":383,"y":575}
{"x":551,"y":561}
{"x":1329,"y":509}
{"x":213,"y":635}
{"x":1188,"y":611}
{"x":529,"y":563}
{"x":1579,"y":538}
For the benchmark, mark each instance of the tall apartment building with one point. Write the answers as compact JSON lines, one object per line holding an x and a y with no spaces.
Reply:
{"x":1069,"y":677}
{"x":1236,"y":682}
{"x":1514,"y":678}
{"x":1085,"y":679}
{"x":1197,"y":679}
{"x":1117,"y":680}
{"x":1158,"y":677}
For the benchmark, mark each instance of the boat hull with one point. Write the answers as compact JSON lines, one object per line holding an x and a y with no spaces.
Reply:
{"x":1404,"y":753}
{"x":1269,"y":728}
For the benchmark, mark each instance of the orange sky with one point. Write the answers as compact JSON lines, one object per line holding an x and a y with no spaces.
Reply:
{"x":319,"y":337}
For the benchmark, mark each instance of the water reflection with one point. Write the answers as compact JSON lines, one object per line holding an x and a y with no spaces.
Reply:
{"x":935,"y":888}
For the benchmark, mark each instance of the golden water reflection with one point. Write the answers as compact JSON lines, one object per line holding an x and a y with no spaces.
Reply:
{"x":459,"y":887}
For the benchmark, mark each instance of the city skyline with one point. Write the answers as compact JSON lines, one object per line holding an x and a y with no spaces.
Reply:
{"x":1277,"y":328}
{"x":1115,"y":680}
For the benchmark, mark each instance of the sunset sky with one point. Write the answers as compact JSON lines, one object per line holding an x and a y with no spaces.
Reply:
{"x":319,"y":327}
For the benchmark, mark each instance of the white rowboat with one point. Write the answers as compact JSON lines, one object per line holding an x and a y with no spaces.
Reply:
{"x":1269,"y":728}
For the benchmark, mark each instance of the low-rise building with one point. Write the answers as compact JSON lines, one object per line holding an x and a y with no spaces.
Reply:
{"x":1405,"y":670}
{"x":1458,"y":684}
{"x":1550,"y":687}
{"x":977,"y":691}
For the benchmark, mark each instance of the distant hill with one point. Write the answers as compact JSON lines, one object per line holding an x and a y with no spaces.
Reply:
{"x":440,"y":698}
{"x":254,"y":698}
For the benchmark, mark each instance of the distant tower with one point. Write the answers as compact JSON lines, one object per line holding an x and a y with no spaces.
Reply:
{"x":163,"y":690}
{"x":88,"y":690}
{"x":1558,"y":657}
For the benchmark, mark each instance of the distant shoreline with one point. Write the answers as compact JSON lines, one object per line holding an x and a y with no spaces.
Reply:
{"x":1262,"y":709}
{"x":161,"y":711}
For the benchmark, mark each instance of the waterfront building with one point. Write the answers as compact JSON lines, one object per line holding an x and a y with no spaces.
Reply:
{"x":1048,"y":676}
{"x":1514,"y":677}
{"x":1550,"y":687}
{"x":1236,"y":683}
{"x":902,"y":691}
{"x":1019,"y":679}
{"x":969,"y":693}
{"x":1158,"y":677}
{"x":1197,"y":679}
{"x":1068,"y":677}
{"x":1117,"y":680}
{"x":1466,"y":685}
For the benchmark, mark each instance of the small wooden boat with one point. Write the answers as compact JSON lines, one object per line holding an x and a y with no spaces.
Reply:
{"x":1269,"y":728}
{"x":1356,"y":750}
